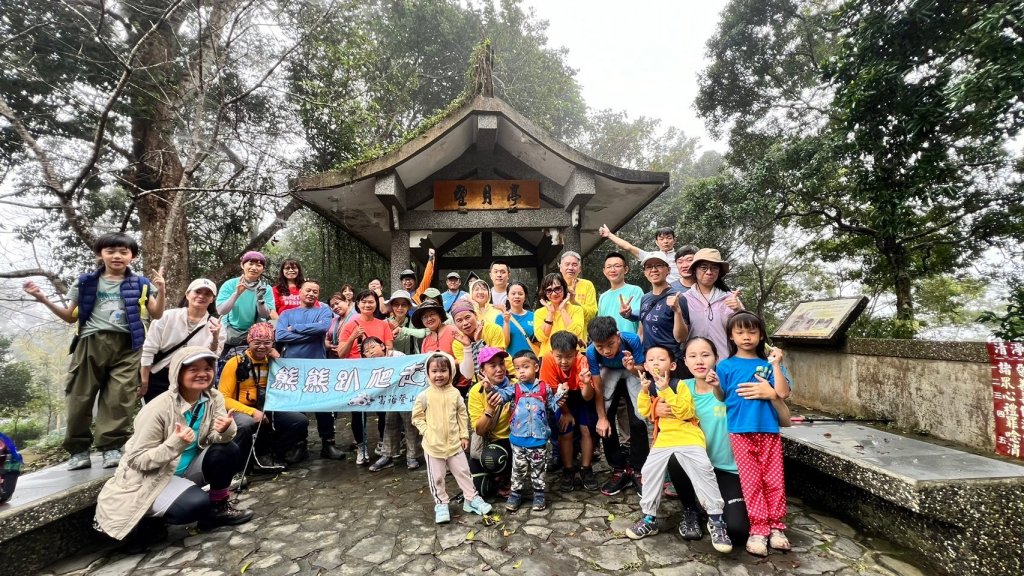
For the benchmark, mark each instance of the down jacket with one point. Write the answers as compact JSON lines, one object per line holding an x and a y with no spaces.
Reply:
{"x":151,"y":454}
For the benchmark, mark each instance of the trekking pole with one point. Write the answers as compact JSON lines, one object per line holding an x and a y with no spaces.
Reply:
{"x":812,"y":420}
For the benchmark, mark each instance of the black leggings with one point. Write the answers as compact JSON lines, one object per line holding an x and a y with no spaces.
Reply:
{"x":638,"y":446}
{"x":735,"y":513}
{"x":220,"y":463}
{"x":358,"y":421}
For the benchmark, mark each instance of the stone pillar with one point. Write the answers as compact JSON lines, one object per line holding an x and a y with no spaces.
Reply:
{"x":570,"y":239}
{"x":400,"y":258}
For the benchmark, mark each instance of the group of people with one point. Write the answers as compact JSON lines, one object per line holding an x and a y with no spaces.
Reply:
{"x":505,"y":382}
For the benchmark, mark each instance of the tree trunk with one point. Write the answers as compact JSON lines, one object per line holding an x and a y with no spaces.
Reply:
{"x":157,"y":161}
{"x":902,"y":285}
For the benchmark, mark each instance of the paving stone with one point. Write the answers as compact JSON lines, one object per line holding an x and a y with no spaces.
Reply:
{"x":122,"y":567}
{"x":375,"y":549}
{"x":660,"y":550}
{"x":538,"y":531}
{"x":274,"y":565}
{"x":184,"y":558}
{"x":898,"y":566}
{"x":836,"y":524}
{"x":846,"y":548}
{"x":688,"y":569}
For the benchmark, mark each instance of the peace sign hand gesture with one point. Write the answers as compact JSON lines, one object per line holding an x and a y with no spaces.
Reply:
{"x":625,"y":309}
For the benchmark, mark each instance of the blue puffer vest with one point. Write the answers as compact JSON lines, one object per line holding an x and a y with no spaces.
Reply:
{"x":131,"y":291}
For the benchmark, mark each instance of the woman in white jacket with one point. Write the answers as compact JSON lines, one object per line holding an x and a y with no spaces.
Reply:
{"x":194,"y":324}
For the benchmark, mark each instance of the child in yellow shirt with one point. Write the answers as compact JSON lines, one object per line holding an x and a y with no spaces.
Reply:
{"x":678,"y":436}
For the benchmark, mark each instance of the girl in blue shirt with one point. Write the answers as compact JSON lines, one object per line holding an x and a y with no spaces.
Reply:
{"x":754,"y":429}
{"x":516,"y":320}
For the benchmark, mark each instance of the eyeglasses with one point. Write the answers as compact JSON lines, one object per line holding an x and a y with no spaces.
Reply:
{"x":655,"y":265}
{"x":705,"y":268}
{"x":553,"y":290}
{"x":614,"y":266}
{"x":290,"y":267}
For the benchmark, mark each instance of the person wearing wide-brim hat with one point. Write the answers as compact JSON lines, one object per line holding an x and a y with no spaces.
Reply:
{"x":710,"y":302}
{"x":408,"y":338}
{"x":439,"y":337}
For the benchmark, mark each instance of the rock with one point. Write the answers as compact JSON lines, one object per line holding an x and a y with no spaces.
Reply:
{"x":538,"y":531}
{"x":375,"y":549}
{"x":898,"y":566}
{"x":836,"y":524}
{"x":846,"y":548}
{"x":122,"y":567}
{"x":692,"y":568}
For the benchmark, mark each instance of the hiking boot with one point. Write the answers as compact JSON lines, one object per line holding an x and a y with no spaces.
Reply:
{"x":412,"y":463}
{"x":646,"y":526}
{"x":757,"y":545}
{"x":298,"y":453}
{"x":540,"y":502}
{"x":441,"y":514}
{"x":589,"y":479}
{"x":329,"y":451}
{"x":223,"y":513}
{"x":79,"y":461}
{"x":568,"y":483}
{"x":778,"y":540}
{"x":719,"y":537}
{"x":382,"y":463}
{"x":111,"y":458}
{"x":477,"y":506}
{"x":638,"y":484}
{"x":621,"y":477}
{"x":689,"y":527}
{"x":515,"y":499}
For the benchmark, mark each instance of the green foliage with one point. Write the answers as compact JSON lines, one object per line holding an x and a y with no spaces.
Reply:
{"x":880,"y":128}
{"x":1010,"y":324}
{"x":16,"y":387}
{"x":23,"y":432}
{"x":330,"y":255}
{"x":944,"y":300}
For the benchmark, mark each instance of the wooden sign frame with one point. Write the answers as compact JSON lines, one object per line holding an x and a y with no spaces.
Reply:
{"x":465,"y":195}
{"x":821,"y":320}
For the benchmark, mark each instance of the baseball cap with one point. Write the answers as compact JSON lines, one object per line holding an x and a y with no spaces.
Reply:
{"x":489,"y":352}
{"x":202,"y":283}
{"x":654,"y":256}
{"x":406,"y":272}
{"x":454,"y":275}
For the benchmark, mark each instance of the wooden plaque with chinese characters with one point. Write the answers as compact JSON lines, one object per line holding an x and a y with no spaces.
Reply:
{"x":486,"y":194}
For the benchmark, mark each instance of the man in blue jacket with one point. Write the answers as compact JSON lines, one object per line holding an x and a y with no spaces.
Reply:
{"x":301,"y":330}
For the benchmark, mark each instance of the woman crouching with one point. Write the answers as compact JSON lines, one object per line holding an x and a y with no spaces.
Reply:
{"x":182,"y":441}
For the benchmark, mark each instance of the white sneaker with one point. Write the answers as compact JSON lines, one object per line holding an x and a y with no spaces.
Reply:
{"x":379,"y":450}
{"x":111,"y":458}
{"x":79,"y":461}
{"x":361,"y":456}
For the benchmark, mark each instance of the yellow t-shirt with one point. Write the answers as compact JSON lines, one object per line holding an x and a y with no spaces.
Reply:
{"x":577,"y":326}
{"x":477,"y":403}
{"x":682,"y":429}
{"x":586,"y":296}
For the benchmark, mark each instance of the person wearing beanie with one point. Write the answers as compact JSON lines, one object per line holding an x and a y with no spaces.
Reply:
{"x":245,"y":300}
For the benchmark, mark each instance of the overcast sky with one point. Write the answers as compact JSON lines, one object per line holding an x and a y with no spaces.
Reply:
{"x":641,"y":56}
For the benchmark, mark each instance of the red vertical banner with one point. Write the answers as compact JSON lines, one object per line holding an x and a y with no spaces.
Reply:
{"x":1007,"y":359}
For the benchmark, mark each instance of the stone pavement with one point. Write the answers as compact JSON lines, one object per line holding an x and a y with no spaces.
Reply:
{"x":326,"y":517}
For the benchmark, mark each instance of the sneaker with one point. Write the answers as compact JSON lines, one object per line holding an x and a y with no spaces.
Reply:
{"x":589,"y":479}
{"x":540,"y":502}
{"x":621,"y":477}
{"x":568,"y":483}
{"x":719,"y":537}
{"x":223,"y":513}
{"x":778,"y":540}
{"x":379,"y":450}
{"x":515,"y":500}
{"x":757,"y":545}
{"x":382,"y":463}
{"x":361,"y":456}
{"x":689,"y":528}
{"x":441,"y":514}
{"x":111,"y":458}
{"x":638,"y":484}
{"x":646,"y":526}
{"x":79,"y":461}
{"x":412,"y":463}
{"x":477,"y":506}
{"x":239,"y":482}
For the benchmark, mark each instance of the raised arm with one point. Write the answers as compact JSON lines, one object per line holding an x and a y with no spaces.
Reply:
{"x":605,"y":232}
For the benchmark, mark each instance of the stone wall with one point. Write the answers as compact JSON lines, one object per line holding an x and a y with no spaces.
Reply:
{"x":940,"y":388}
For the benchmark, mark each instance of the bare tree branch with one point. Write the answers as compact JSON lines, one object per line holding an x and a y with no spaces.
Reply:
{"x":54,"y":279}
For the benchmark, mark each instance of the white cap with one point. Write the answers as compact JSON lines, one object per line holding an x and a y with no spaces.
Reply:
{"x":202,"y":283}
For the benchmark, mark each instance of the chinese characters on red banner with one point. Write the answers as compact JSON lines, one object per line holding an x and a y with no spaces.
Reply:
{"x":1007,"y":360}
